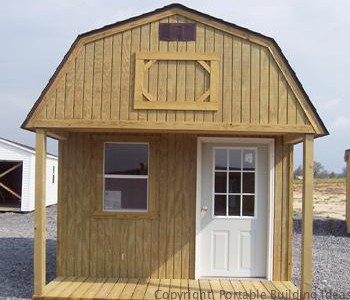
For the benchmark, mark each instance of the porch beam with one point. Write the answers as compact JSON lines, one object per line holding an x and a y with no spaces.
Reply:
{"x":307,"y":216}
{"x":40,"y":214}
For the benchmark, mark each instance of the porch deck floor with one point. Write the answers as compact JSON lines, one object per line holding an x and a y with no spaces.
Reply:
{"x":168,"y":289}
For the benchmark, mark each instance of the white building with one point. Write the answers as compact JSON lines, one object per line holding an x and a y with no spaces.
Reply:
{"x":17,"y":177}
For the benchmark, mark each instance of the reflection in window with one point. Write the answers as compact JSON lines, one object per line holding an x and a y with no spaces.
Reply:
{"x":125,"y":177}
{"x":234,"y":182}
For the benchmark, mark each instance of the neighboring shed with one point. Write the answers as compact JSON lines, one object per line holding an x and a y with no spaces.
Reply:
{"x":176,"y":133}
{"x":17,"y":177}
{"x":347,"y":160}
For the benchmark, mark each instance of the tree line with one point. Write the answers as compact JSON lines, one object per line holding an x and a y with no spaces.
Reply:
{"x":319,"y":172}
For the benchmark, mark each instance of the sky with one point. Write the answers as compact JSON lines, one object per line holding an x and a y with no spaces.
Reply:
{"x":314,"y":36}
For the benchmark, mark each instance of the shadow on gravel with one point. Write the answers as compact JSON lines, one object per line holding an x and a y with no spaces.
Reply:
{"x":16,"y":266}
{"x":322,"y":227}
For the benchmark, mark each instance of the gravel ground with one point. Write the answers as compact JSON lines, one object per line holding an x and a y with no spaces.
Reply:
{"x":331,"y":255}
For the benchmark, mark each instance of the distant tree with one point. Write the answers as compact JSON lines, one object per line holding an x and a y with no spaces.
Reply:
{"x":298,"y":172}
{"x":332,"y":175}
{"x":343,"y":173}
{"x":319,"y":170}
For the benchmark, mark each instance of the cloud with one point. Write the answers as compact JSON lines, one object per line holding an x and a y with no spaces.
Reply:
{"x":341,"y":123}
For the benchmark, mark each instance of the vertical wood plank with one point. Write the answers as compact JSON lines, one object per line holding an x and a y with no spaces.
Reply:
{"x":125,"y":77}
{"x":264,"y":86}
{"x":227,"y":82}
{"x":60,"y":97}
{"x":236,"y":81}
{"x":40,"y":213}
{"x":290,"y":212}
{"x":219,"y":48}
{"x":97,"y":80}
{"x":255,"y":84}
{"x":144,"y":47}
{"x":116,"y":76}
{"x":278,"y":210}
{"x":107,"y":78}
{"x":273,"y":97}
{"x":208,"y":47}
{"x":70,"y":91}
{"x":79,"y":84}
{"x":190,"y":80}
{"x":135,"y":47}
{"x":246,"y":97}
{"x":88,"y":80}
{"x":282,"y":101}
{"x":201,"y":74}
{"x":292,"y":109}
{"x":307,"y":215}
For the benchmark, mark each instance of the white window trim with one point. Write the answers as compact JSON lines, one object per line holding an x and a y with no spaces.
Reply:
{"x":126,"y":177}
{"x":270,"y":142}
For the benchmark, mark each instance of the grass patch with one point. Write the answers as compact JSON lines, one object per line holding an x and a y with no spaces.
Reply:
{"x":323,"y":180}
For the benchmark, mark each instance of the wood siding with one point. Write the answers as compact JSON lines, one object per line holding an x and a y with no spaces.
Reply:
{"x":163,"y":247}
{"x":97,"y":84}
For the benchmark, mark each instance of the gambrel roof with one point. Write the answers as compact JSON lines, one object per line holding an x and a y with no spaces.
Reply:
{"x":294,"y":85}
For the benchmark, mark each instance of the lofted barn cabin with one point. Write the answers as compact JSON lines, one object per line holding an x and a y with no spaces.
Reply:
{"x":176,"y":133}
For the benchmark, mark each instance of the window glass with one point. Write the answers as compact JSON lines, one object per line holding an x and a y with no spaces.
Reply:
{"x":126,"y":159}
{"x":126,"y":177}
{"x":234,"y":182}
{"x":220,"y":205}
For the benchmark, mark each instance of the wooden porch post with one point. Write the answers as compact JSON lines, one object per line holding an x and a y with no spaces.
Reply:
{"x":307,"y":221}
{"x":40,"y":214}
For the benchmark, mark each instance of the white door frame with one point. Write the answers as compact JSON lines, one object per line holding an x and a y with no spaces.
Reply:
{"x":270,"y":142}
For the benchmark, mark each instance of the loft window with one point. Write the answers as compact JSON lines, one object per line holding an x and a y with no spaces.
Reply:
{"x":177,"y":31}
{"x":126,"y":177}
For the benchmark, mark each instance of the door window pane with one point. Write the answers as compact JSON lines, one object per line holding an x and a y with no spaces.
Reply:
{"x":220,"y":159}
{"x":235,"y":159}
{"x":249,"y":160}
{"x":220,"y":205}
{"x":125,"y":194}
{"x":126,"y":159}
{"x":235,"y":182}
{"x":248,"y":206}
{"x":220,"y":182}
{"x":248,"y":183}
{"x":234,"y":206}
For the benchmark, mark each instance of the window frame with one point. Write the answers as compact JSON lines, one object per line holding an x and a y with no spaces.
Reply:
{"x":107,"y":176}
{"x":227,"y":172}
{"x":152,"y":185}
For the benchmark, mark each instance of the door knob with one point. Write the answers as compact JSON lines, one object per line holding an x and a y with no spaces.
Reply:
{"x":204,"y":208}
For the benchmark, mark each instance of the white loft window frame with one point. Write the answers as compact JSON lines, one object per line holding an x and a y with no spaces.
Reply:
{"x":227,"y":171}
{"x":126,"y":176}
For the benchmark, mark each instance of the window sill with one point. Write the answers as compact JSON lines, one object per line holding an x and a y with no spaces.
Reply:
{"x":125,"y":215}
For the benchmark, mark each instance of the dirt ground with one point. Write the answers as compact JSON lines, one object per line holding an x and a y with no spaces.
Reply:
{"x":329,"y":198}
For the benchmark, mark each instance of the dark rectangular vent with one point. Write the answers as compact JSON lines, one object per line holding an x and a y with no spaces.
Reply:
{"x":177,"y":31}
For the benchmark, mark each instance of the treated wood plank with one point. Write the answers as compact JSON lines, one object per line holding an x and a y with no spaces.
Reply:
{"x":72,"y":287}
{"x":147,"y":248}
{"x":70,"y":91}
{"x":216,"y":288}
{"x":107,"y":78}
{"x":49,"y":287}
{"x":194,"y":289}
{"x":61,"y":287}
{"x":282,"y":101}
{"x":139,"y":248}
{"x":40,"y":213}
{"x":134,"y":47}
{"x":219,"y":49}
{"x":201,"y":74}
{"x":273,"y":98}
{"x":152,"y":288}
{"x":292,"y":108}
{"x":97,"y":80}
{"x":125,"y":79}
{"x":255,"y":84}
{"x":246,"y":91}
{"x":88,"y":80}
{"x":106,"y":288}
{"x":117,"y":288}
{"x":129,"y":289}
{"x":79,"y":84}
{"x":82,"y":289}
{"x":205,"y":288}
{"x":140,"y":289}
{"x":208,"y":47}
{"x":60,"y":97}
{"x":264,"y":85}
{"x":131,"y":244}
{"x":116,"y":247}
{"x":94,"y":289}
{"x":227,"y":84}
{"x":116,"y":77}
{"x":307,"y":215}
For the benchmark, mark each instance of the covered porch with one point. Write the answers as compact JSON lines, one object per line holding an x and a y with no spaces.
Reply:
{"x":172,"y":289}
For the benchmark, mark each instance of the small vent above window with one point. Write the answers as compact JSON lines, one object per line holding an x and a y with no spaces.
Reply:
{"x":177,"y":31}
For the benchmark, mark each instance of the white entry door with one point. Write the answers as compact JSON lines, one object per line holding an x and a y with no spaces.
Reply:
{"x":234,"y":210}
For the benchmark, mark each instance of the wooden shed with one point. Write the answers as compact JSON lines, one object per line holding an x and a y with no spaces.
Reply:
{"x":176,"y":133}
{"x":347,"y":214}
{"x":17,"y":177}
